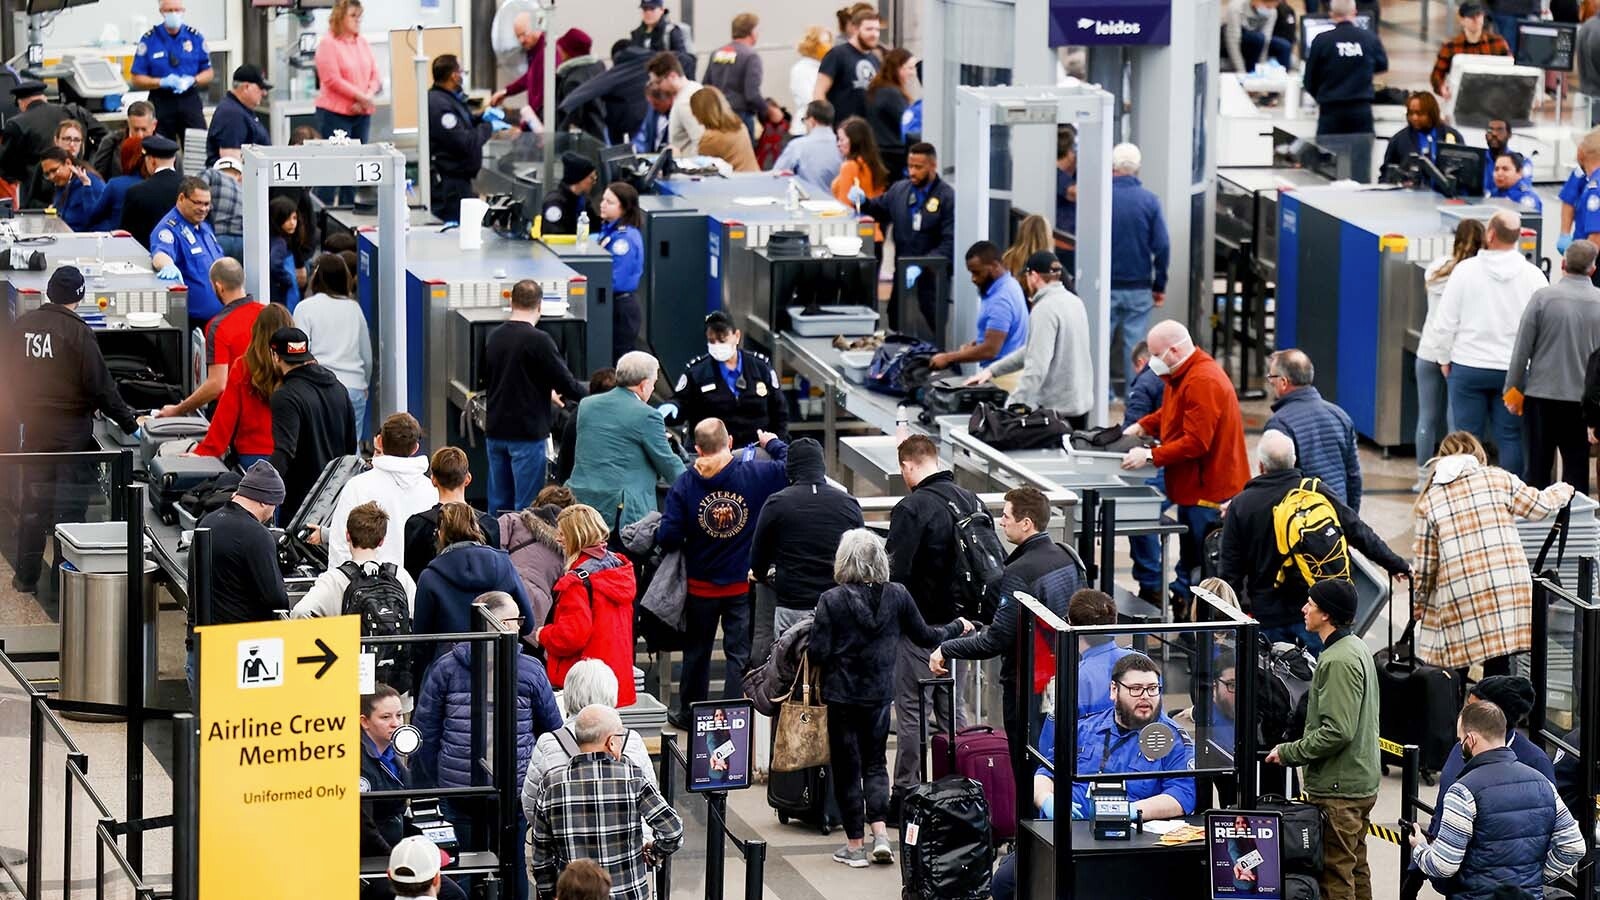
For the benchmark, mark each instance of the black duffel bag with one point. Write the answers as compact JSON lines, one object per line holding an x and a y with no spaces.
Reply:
{"x":1301,"y":834}
{"x":950,"y":395}
{"x":1017,"y":427}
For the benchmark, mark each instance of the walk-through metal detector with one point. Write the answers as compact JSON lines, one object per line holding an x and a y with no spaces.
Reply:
{"x":328,"y":164}
{"x":1032,"y":114}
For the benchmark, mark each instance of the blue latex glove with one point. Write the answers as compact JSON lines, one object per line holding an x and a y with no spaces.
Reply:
{"x":187,"y":81}
{"x":857,"y":196}
{"x":912,"y":274}
{"x":669,"y":411}
{"x":497,"y":125}
{"x":173,"y":82}
{"x":170,"y":273}
{"x":494,"y":114}
{"x":1048,"y":807}
{"x":1563,"y":242}
{"x":1077,"y":813}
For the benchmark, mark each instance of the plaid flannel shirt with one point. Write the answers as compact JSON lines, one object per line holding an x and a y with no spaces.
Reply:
{"x":227,"y":203}
{"x":1490,"y":44}
{"x":592,"y":808}
{"x":1472,"y":580}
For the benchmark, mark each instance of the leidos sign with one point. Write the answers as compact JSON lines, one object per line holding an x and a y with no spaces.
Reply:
{"x":280,"y":756}
{"x":1110,"y":22}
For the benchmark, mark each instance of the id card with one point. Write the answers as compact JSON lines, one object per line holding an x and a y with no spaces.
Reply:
{"x":916,"y":221}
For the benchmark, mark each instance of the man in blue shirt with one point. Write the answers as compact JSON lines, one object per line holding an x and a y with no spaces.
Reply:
{"x":1508,"y":183}
{"x":234,"y":123}
{"x":171,"y":62}
{"x":1002,"y":314}
{"x":1140,"y":250}
{"x":814,"y":158}
{"x":1111,"y":741}
{"x":183,"y":246}
{"x":1586,"y":200}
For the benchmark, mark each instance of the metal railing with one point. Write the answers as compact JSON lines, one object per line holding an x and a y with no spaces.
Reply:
{"x":675,"y":765}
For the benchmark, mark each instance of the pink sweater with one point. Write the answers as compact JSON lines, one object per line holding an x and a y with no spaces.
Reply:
{"x":346,"y":70}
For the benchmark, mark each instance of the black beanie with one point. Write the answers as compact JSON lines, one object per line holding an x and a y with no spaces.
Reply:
{"x":1337,"y":598}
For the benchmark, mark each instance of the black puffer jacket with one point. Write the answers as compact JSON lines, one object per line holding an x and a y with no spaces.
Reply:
{"x":799,"y":528}
{"x":855,"y":635}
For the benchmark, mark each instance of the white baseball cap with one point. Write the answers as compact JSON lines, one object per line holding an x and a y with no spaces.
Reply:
{"x":414,"y":860}
{"x":227,"y":162}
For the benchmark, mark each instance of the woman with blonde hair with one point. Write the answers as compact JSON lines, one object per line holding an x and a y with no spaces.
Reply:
{"x":593,"y":614}
{"x":725,"y":137}
{"x":242,"y":424}
{"x":1474,"y":592}
{"x":1033,"y":235}
{"x":803,"y":74}
{"x":465,"y":569}
{"x":347,"y":74}
{"x":1433,"y":400}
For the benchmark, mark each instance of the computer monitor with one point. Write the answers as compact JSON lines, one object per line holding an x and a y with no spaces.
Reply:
{"x":1463,"y":166}
{"x":1311,"y":26}
{"x":1497,"y":93}
{"x":615,"y":161}
{"x":48,"y":6}
{"x":1546,"y":45}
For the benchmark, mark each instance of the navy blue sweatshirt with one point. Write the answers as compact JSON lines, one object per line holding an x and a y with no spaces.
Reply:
{"x":1341,"y":62}
{"x":1140,"y":246}
{"x":712,"y":518}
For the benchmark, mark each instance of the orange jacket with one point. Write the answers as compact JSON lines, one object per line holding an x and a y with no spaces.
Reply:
{"x":1201,"y":432}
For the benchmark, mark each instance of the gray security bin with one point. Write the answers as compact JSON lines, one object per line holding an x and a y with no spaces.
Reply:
{"x":94,"y":628}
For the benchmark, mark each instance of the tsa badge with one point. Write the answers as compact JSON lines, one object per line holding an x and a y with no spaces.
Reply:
{"x":932,"y":205}
{"x":761,"y":389}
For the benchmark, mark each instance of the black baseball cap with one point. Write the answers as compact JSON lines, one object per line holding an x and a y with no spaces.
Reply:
{"x":66,"y":286}
{"x":1044,"y":262}
{"x":250,"y":73}
{"x":1470,"y":8}
{"x":651,"y":4}
{"x":292,"y":345}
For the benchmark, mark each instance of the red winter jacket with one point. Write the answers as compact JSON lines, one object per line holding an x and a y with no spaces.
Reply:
{"x":1201,"y":432}
{"x":602,"y":630}
{"x":243,"y":419}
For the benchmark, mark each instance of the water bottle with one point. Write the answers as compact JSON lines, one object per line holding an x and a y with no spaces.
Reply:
{"x":902,"y":424}
{"x":583,"y":230}
{"x":792,"y":198}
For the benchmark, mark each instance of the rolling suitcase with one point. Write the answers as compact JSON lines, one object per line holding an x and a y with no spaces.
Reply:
{"x":805,"y":796}
{"x":157,"y":432}
{"x":946,"y":839}
{"x":982,"y":754}
{"x":173,"y":476}
{"x":1417,"y":702}
{"x":317,"y":509}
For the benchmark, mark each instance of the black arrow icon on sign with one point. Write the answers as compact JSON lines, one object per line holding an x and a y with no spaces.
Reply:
{"x":327,"y":658}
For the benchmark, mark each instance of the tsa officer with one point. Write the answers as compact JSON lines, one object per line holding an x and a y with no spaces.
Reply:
{"x":561,"y":207}
{"x":737,"y":386}
{"x":922,"y":209}
{"x":183,"y":246}
{"x":622,"y":236}
{"x":455,"y":138}
{"x":61,"y":380}
{"x":1508,"y":182}
{"x":1586,"y":197}
{"x":171,"y":62}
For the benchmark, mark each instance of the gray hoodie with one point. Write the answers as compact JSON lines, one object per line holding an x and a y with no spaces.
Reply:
{"x":1560,"y":328}
{"x":1057,"y":372}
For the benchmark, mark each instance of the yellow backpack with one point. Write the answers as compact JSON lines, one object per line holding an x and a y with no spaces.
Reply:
{"x":1309,"y":535}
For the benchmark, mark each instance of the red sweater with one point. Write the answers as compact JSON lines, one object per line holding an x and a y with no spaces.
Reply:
{"x":1201,"y":432}
{"x":603,"y":630}
{"x":243,"y":419}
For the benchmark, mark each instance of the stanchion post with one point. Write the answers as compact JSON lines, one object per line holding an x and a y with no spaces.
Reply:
{"x":1586,"y":578}
{"x":1244,"y":676}
{"x":1065,"y":756}
{"x":505,"y":754}
{"x":755,"y":869}
{"x":1108,"y":545}
{"x":1088,"y":505}
{"x":669,"y":793}
{"x":186,"y":806}
{"x":36,"y":726}
{"x":1539,"y":655}
{"x":1027,"y":627}
{"x":1410,"y":776}
{"x":1588,"y":739}
{"x":716,"y":842}
{"x":133,"y":674}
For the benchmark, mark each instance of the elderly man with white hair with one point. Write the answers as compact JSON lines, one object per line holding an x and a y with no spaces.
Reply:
{"x":1201,"y":431}
{"x":622,"y":447}
{"x":1474,"y":329}
{"x":1140,"y":250}
{"x":530,"y":36}
{"x":1251,"y":560}
{"x":1339,"y":67}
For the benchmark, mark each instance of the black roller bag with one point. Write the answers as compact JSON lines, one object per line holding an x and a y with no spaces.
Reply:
{"x":173,"y":476}
{"x":1417,"y":702}
{"x":317,"y":509}
{"x":804,"y":796}
{"x":946,"y":839}
{"x":950,"y":396}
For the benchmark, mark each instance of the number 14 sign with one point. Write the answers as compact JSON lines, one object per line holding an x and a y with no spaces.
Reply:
{"x":328,"y":172}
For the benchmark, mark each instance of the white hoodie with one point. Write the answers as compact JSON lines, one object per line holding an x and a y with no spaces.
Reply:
{"x":1476,"y":321}
{"x":401,"y":486}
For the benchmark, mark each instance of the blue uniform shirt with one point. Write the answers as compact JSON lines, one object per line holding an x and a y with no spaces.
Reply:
{"x":1004,"y":309}
{"x":1527,"y":173}
{"x":193,"y":248}
{"x":160,"y":54}
{"x":1103,"y":746}
{"x":1586,"y":211}
{"x":108,"y":212}
{"x":77,"y":203}
{"x":1522,"y":195}
{"x":1573,"y":188}
{"x":731,"y":377}
{"x":627,"y":256}
{"x":1094,"y":677}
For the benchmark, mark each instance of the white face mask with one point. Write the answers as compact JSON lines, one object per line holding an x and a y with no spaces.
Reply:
{"x":172,"y":20}
{"x":1159,"y":366}
{"x":721,"y":352}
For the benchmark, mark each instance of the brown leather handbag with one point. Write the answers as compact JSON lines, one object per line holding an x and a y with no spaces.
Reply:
{"x":802,"y":739}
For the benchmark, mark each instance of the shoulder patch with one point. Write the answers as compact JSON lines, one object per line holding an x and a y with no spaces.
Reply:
{"x":364,"y":785}
{"x":683,"y":382}
{"x":774,"y":374}
{"x":448,"y":120}
{"x":166,"y":236}
{"x":141,"y":50}
{"x":552,"y":213}
{"x":620,"y":248}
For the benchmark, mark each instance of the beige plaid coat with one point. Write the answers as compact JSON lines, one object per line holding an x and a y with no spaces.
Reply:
{"x":1472,"y":579}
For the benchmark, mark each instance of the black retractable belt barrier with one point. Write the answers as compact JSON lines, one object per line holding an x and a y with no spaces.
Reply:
{"x":675,"y":764}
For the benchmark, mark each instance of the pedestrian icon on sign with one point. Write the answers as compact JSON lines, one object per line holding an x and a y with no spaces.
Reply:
{"x":261,"y":663}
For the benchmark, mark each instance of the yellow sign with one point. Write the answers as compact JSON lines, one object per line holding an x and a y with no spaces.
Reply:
{"x":280,"y":758}
{"x":1390,"y":747}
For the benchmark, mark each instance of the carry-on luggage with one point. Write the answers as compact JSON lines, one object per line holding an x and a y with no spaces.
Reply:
{"x":1301,"y":827}
{"x":979,"y":753}
{"x":946,"y":841}
{"x":317,"y":509}
{"x":805,"y":796}
{"x":1417,"y":702}
{"x":1017,"y":428}
{"x":173,"y":476}
{"x":951,"y":395}
{"x":156,"y":432}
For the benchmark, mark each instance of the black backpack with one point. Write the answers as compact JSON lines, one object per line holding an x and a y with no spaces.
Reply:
{"x":947,"y":844}
{"x":380,"y":600}
{"x":1283,"y":687}
{"x":901,"y":367}
{"x":980,"y":561}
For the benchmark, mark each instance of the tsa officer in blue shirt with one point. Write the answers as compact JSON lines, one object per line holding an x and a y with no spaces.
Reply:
{"x":622,"y":235}
{"x":735,"y":385}
{"x":1508,"y":182}
{"x":183,"y":246}
{"x":1113,"y":740}
{"x":172,"y":62}
{"x":1586,"y":205}
{"x":234,"y":123}
{"x":1002,"y":313}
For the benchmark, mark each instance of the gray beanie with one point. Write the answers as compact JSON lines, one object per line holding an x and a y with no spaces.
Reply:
{"x":262,"y":484}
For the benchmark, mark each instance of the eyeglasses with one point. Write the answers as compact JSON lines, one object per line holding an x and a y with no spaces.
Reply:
{"x":70,"y":139}
{"x":1275,"y":377}
{"x":514,"y":620}
{"x":1141,"y":690}
{"x":1228,"y":684}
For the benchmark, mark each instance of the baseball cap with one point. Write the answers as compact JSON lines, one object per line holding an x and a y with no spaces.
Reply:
{"x":227,"y":162}
{"x":250,"y":73}
{"x":1470,"y":8}
{"x":415,"y":860}
{"x":1044,"y":262}
{"x":291,"y":344}
{"x":66,"y":286}
{"x":651,"y":4}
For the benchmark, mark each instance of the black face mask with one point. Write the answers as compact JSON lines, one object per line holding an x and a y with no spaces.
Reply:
{"x":1466,"y":755}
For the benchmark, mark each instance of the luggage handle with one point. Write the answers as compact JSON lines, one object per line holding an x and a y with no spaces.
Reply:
{"x":1408,"y":634}
{"x":923,"y":685}
{"x":1557,"y":537}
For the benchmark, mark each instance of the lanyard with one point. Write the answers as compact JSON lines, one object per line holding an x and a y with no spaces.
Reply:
{"x":1106,"y":747}
{"x":1426,"y":141}
{"x":919,"y":196}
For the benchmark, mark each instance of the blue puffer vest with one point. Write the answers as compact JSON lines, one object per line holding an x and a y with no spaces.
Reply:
{"x":1321,"y":432}
{"x":1511,"y":834}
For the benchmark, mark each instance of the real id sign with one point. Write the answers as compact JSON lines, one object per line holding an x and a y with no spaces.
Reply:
{"x":1110,"y":23}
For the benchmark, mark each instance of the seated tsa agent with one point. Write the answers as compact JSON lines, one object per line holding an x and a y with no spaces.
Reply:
{"x":1509,"y":184}
{"x":1109,"y":741}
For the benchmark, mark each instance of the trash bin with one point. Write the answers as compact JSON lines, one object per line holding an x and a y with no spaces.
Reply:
{"x":94,"y":628}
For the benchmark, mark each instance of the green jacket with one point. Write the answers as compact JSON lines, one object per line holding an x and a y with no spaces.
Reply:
{"x":621,"y":453}
{"x":1340,"y":746}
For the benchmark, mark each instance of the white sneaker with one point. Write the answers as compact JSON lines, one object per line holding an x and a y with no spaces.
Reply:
{"x":882,"y":852}
{"x":855,"y":859}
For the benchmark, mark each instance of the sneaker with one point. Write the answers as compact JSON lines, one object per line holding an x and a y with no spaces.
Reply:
{"x":882,"y":852}
{"x":855,"y":859}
